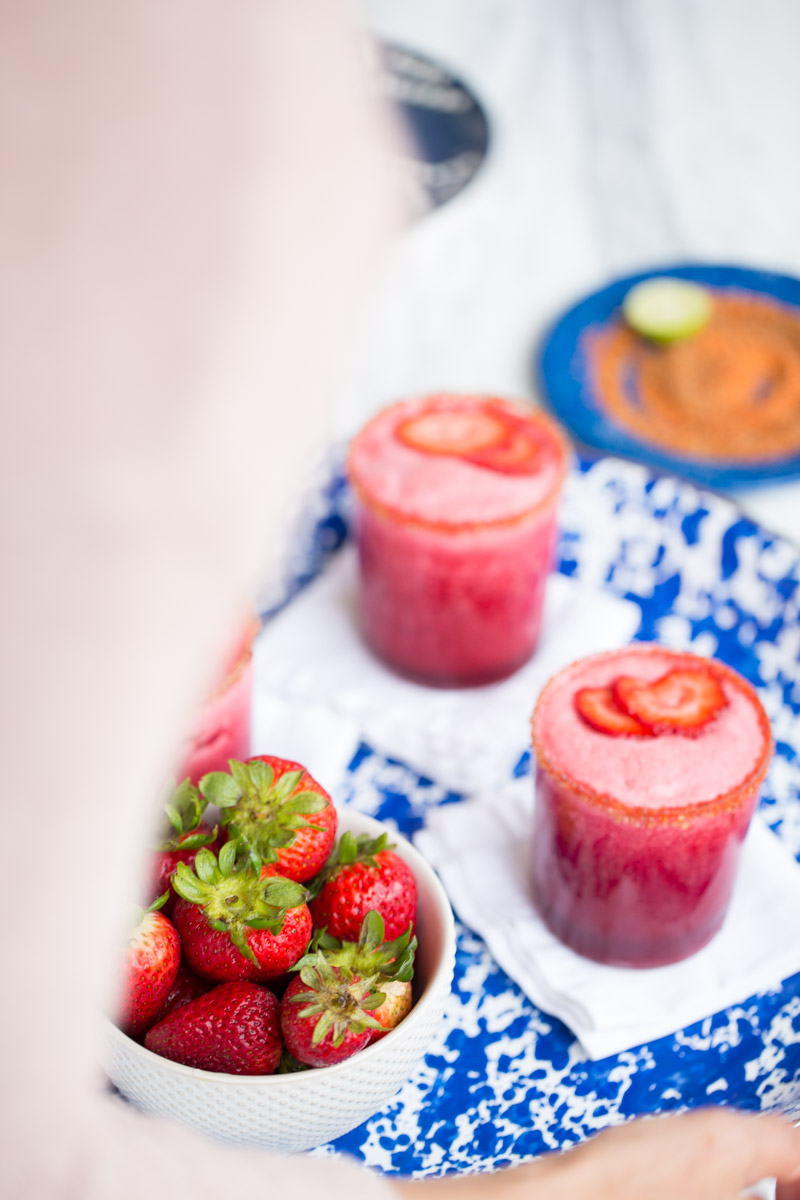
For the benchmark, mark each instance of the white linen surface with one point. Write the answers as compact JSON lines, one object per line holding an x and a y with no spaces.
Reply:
{"x":319,"y":687}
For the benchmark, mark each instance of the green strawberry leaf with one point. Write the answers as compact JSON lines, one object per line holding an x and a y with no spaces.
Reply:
{"x":187,"y":885}
{"x":372,"y":931}
{"x":174,"y":817}
{"x":205,"y":866}
{"x":241,"y":775}
{"x":305,"y":803}
{"x":348,"y":848}
{"x":323,"y":1028}
{"x":375,"y":1000}
{"x":219,"y":788}
{"x":227,"y":858}
{"x":284,"y":893}
{"x":284,"y":787}
{"x":261,"y":775}
{"x":240,"y":942}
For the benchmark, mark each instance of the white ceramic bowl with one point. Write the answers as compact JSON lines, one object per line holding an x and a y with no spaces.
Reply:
{"x":297,"y":1112}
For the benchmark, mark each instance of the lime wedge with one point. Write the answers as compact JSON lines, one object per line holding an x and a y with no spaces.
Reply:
{"x":667,"y":310}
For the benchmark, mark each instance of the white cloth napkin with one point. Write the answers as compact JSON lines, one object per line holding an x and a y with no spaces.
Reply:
{"x":483,"y":862}
{"x":465,"y":739}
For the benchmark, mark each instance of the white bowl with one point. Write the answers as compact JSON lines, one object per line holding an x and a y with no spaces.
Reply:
{"x":299,"y":1111}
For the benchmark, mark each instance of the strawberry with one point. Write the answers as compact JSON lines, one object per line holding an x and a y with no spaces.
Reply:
{"x":682,"y":701}
{"x":370,"y":956}
{"x":234,"y":1028}
{"x":184,"y":812}
{"x":480,"y":431}
{"x":236,"y":922}
{"x":325,"y":1015}
{"x":389,"y":964}
{"x":396,"y":1006}
{"x":599,"y":709}
{"x":151,"y":964}
{"x":456,"y":431}
{"x":186,"y":987}
{"x":278,"y":812}
{"x":365,"y":874}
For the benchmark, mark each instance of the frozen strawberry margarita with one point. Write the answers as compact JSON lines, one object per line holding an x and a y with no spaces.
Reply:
{"x":455,"y":526}
{"x":221,"y":728}
{"x":649,"y":763}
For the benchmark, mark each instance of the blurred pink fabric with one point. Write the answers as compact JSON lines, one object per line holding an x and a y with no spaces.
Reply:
{"x":191,"y":207}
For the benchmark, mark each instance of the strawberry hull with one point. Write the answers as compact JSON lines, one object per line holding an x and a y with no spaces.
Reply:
{"x":455,"y":536}
{"x":637,"y":838}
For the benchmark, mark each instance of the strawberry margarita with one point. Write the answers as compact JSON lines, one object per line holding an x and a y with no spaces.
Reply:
{"x":221,"y":728}
{"x":649,"y":763}
{"x":455,"y":525}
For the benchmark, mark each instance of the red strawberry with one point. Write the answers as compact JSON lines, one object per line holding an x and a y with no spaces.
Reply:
{"x":184,"y":811}
{"x":599,"y":709}
{"x":278,"y":812}
{"x":682,"y":701}
{"x":396,"y":1006}
{"x":151,"y":964}
{"x":234,"y":1028}
{"x":366,"y":875}
{"x":325,"y":1014}
{"x":236,"y":923}
{"x":185,"y":988}
{"x":482,"y":432}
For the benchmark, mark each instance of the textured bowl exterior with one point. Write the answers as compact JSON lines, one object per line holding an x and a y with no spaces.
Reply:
{"x":300,"y":1111}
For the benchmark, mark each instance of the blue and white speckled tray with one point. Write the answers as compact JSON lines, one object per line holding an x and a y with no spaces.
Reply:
{"x":504,"y":1081}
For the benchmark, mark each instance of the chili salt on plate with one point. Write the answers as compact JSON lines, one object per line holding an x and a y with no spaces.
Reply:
{"x":721,"y":407}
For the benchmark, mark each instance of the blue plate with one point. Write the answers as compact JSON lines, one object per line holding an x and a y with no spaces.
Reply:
{"x":503,"y":1080}
{"x":563,"y":376}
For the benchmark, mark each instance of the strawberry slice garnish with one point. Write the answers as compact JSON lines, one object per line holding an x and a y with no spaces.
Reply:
{"x":682,"y":701}
{"x":453,"y":431}
{"x":486,"y":435}
{"x":599,"y":708}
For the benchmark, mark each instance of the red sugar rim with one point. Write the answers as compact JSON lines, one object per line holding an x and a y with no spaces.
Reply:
{"x":536,"y":417}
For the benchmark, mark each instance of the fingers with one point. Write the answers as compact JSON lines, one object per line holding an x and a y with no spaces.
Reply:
{"x":773,"y":1148}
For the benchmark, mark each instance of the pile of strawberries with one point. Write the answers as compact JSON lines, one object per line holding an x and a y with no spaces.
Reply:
{"x":268,"y":947}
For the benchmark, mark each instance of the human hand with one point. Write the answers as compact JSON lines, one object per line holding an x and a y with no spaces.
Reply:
{"x":710,"y":1154}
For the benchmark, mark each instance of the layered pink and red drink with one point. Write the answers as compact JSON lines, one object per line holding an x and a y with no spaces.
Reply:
{"x":455,"y":525}
{"x":649,"y":764}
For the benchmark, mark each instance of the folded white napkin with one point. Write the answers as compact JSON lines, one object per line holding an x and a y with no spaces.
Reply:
{"x":483,"y":860}
{"x":465,"y":739}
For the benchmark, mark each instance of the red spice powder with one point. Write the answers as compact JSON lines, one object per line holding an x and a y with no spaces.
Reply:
{"x":730,"y":391}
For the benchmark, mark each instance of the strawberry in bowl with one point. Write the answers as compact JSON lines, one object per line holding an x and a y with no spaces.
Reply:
{"x":277,"y":811}
{"x":364,"y":875}
{"x":290,"y":1109}
{"x":152,"y":961}
{"x":238,"y":920}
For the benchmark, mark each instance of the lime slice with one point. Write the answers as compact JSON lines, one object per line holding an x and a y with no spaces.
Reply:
{"x":666,"y":310}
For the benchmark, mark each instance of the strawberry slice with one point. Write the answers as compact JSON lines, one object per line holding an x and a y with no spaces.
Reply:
{"x":487,"y":436}
{"x":517,"y":454}
{"x":599,"y":709}
{"x":453,"y":431}
{"x":682,"y":701}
